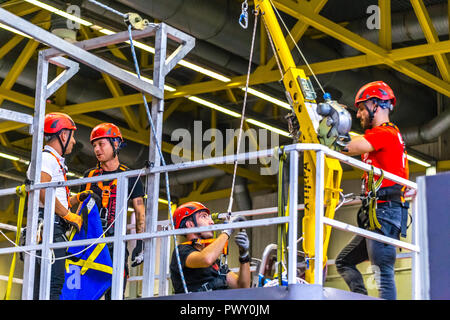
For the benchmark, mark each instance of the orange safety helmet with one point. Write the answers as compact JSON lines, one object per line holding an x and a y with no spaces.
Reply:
{"x":105,"y":130}
{"x":56,"y":121}
{"x":185,"y":211}
{"x":376,"y":89}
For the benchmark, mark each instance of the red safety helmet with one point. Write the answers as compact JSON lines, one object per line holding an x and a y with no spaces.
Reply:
{"x":186,"y":210}
{"x":56,"y":121}
{"x":376,"y":89}
{"x":105,"y":130}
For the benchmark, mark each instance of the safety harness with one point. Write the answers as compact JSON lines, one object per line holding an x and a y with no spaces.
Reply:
{"x":64,"y":171}
{"x":107,"y":190}
{"x":370,"y":201}
{"x":219,"y":282}
{"x":375,"y":194}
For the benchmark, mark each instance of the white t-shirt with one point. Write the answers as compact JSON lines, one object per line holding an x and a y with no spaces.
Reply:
{"x":51,"y":167}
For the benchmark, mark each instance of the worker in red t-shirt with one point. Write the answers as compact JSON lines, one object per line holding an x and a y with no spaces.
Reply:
{"x":381,"y":146}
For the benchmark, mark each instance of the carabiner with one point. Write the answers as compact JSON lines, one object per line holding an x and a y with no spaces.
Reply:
{"x":243,"y":18}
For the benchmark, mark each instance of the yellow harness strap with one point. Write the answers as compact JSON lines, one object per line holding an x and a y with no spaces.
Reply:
{"x":373,"y":186}
{"x":21,"y":193}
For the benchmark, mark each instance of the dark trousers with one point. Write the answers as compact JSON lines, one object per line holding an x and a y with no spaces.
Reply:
{"x":382,"y":256}
{"x":57,"y":269}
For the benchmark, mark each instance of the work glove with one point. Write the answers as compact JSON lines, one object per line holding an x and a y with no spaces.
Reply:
{"x":236,"y":218}
{"x":137,"y":256}
{"x":73,"y":219}
{"x":243,"y":244}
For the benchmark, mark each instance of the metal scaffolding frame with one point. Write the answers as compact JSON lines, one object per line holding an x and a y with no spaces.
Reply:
{"x":162,"y":66}
{"x":78,"y":52}
{"x":419,"y":284}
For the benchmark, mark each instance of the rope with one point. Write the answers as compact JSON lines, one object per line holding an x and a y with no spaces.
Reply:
{"x":300,"y":51}
{"x":163,"y":162}
{"x":104,"y":6}
{"x":230,"y":204}
{"x":21,"y":193}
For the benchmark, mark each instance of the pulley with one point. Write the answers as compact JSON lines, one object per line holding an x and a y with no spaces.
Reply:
{"x":335,"y":125}
{"x":136,"y":21}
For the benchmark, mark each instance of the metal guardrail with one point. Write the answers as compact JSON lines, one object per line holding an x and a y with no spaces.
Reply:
{"x":121,"y":237}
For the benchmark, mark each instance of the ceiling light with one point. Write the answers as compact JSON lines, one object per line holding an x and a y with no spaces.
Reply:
{"x":8,"y":156}
{"x":268,"y":127}
{"x":237,"y":115}
{"x":268,"y":98}
{"x":418,"y":161}
{"x":166,"y":87}
{"x":14,"y":30}
{"x":214,"y":106}
{"x":205,"y":71}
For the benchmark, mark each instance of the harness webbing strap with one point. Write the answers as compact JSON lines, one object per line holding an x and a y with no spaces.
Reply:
{"x":106,"y":190}
{"x":373,"y":187}
{"x":206,"y":242}
{"x":64,"y":171}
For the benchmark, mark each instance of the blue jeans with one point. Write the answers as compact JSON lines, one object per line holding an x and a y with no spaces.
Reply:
{"x":381,"y":255}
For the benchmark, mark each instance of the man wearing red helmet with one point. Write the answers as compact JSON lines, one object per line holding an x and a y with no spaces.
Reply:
{"x":59,"y":132}
{"x":199,"y":255}
{"x":381,"y":146}
{"x":106,"y":141}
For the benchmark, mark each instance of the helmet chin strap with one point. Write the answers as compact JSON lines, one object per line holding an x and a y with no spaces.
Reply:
{"x":371,"y":113}
{"x":64,"y":146}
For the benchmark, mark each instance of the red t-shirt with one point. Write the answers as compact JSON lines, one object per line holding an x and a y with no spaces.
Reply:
{"x":389,"y":153}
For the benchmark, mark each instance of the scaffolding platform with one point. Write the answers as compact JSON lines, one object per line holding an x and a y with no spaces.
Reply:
{"x":291,"y":292}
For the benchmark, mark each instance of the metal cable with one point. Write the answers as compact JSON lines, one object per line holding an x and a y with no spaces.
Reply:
{"x":300,"y":51}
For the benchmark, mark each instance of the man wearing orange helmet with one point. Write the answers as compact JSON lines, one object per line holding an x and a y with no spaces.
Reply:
{"x":59,"y":132}
{"x":199,"y":256}
{"x":106,"y":141}
{"x":381,"y":146}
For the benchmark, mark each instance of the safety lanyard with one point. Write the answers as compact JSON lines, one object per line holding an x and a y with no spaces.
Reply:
{"x":63,"y":169}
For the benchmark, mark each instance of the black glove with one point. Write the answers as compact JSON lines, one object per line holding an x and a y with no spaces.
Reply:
{"x":243,"y":243}
{"x":137,"y":256}
{"x":237,"y":218}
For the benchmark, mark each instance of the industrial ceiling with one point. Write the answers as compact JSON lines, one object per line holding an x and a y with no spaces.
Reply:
{"x":407,"y":48}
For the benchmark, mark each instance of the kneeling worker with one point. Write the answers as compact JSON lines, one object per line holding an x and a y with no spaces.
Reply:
{"x":199,"y":256}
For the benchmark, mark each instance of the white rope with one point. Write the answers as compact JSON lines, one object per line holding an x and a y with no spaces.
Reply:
{"x":230,"y":204}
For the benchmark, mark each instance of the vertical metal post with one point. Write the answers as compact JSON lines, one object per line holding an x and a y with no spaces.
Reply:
{"x":163,"y":265}
{"x":35,"y":175}
{"x":120,"y":224}
{"x":47,"y":238}
{"x":420,"y":265}
{"x":151,"y":216}
{"x":319,"y":232}
{"x":293,"y":217}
